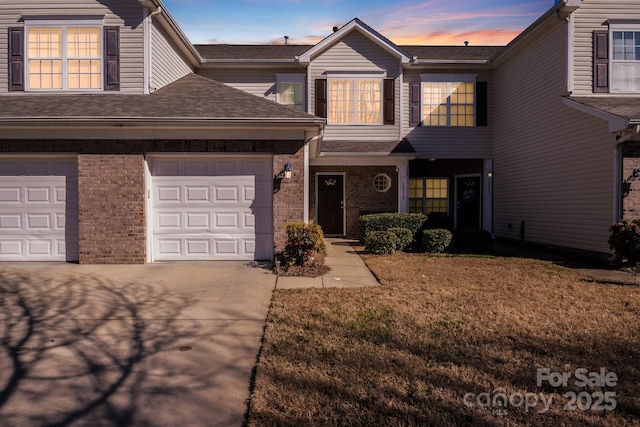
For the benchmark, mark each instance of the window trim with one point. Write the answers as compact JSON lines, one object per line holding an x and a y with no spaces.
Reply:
{"x":424,"y":197}
{"x":620,"y":26}
{"x":449,"y":78}
{"x":381,"y":75}
{"x":63,"y":22}
{"x":388,"y":182}
{"x":292,"y":78}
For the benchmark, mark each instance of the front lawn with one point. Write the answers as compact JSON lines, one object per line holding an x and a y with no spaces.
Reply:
{"x":453,"y":340}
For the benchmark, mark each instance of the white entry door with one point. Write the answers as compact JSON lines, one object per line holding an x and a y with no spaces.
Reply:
{"x":38,"y":209}
{"x":211,"y":208}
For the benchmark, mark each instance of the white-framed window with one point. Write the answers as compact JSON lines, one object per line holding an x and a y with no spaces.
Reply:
{"x":625,"y":58}
{"x":381,"y":183}
{"x":355,"y":99}
{"x":290,"y":90}
{"x":64,"y":56}
{"x":448,"y":100}
{"x":428,"y":195}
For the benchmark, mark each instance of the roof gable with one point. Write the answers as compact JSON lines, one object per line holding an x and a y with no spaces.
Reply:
{"x":356,"y":25}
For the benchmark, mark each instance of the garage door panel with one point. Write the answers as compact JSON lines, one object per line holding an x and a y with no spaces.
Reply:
{"x":209,"y":209}
{"x":38,"y":209}
{"x":198,"y":247}
{"x":10,"y":222}
{"x":39,"y":222}
{"x":197,"y":194}
{"x":197,"y":220}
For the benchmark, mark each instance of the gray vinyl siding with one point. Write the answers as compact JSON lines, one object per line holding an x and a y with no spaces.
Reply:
{"x":442,"y":142}
{"x":355,"y":53}
{"x":167,"y":63}
{"x":256,"y":81}
{"x":554,"y":166}
{"x":124,"y":13}
{"x":592,"y":15}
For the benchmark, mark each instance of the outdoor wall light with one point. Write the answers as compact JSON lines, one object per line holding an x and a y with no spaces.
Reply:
{"x":287,"y":171}
{"x":489,"y":174}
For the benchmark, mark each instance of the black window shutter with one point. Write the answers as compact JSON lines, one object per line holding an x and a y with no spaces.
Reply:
{"x":111,"y":58}
{"x":414,"y":104}
{"x":601,"y":61}
{"x":389,"y":105}
{"x":481,"y":104}
{"x":16,"y":58}
{"x":321,"y":98}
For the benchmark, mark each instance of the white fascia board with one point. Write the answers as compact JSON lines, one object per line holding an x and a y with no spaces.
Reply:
{"x":371,"y":34}
{"x":616,"y":123}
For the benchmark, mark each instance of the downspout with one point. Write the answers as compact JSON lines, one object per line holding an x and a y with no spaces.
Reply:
{"x":149,"y":49}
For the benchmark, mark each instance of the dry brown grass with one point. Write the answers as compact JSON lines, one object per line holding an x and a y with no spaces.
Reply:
{"x":407,"y":352}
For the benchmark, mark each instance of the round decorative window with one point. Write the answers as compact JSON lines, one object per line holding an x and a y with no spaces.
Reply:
{"x":381,"y":182}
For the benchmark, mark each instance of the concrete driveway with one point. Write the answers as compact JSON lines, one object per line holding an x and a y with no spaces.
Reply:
{"x":169,"y":344}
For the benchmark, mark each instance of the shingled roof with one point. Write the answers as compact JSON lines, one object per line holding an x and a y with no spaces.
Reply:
{"x":218,"y":52}
{"x":191,"y":97}
{"x":455,"y":53}
{"x":626,"y":108}
{"x":249,"y":52}
{"x":372,"y":147}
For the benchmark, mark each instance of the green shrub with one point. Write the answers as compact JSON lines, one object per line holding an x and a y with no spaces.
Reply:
{"x":380,"y":242}
{"x":624,"y":240}
{"x":304,"y":241}
{"x":404,"y":237}
{"x":385,"y":221}
{"x":474,"y":241}
{"x":439,"y":220}
{"x":436,"y":240}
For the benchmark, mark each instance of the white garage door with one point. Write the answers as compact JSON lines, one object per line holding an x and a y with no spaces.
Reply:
{"x":209,"y":208}
{"x":38,"y":209}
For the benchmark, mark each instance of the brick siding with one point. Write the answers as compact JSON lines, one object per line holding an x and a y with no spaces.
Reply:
{"x":360,"y":196}
{"x":111,"y":212}
{"x":111,"y":182}
{"x":631,"y":183}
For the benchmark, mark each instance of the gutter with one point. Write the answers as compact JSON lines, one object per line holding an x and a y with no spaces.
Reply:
{"x":162,"y":122}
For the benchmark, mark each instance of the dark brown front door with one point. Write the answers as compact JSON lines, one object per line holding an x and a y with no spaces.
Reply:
{"x":468,"y":202}
{"x":331,"y":203}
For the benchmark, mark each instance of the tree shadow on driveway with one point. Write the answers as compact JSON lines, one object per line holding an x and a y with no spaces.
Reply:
{"x":84,"y":349}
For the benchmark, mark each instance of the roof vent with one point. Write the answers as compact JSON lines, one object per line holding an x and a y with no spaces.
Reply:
{"x":466,"y":43}
{"x":335,"y":29}
{"x":286,"y":40}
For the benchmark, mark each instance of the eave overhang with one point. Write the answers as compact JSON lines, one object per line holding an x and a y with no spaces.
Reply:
{"x":616,"y":123}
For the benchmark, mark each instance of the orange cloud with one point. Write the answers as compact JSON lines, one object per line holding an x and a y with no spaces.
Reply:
{"x":475,"y":38}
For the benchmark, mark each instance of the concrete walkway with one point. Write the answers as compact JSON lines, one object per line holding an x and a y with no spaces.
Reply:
{"x":346,"y":269}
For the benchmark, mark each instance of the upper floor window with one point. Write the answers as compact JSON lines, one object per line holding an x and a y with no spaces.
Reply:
{"x":348,"y":99}
{"x":64,"y":53}
{"x":448,"y":100}
{"x":355,"y":100}
{"x":290,"y":90}
{"x":616,"y":57}
{"x":625,"y":61}
{"x":64,"y":58}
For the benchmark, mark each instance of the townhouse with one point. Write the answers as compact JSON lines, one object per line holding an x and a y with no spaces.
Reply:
{"x":122,"y":142}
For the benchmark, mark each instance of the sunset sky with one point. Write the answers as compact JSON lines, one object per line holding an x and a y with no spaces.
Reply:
{"x":432,"y":22}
